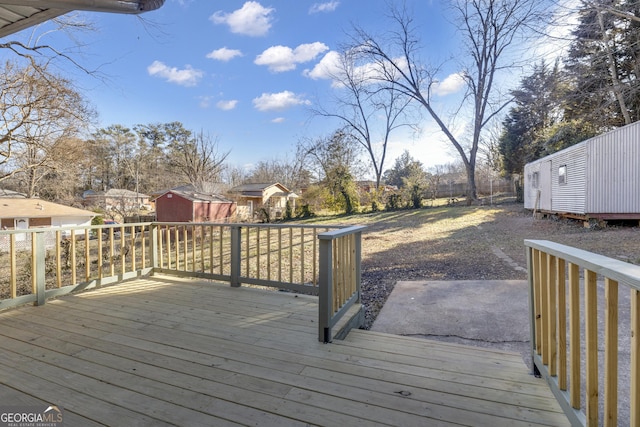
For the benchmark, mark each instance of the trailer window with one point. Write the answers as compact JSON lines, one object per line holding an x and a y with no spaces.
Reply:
{"x":562,"y":174}
{"x":534,"y":180}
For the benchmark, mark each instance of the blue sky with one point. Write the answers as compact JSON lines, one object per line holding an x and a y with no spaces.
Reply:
{"x":246,"y":72}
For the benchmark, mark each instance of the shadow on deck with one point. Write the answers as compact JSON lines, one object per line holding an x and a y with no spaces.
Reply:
{"x":162,"y":350}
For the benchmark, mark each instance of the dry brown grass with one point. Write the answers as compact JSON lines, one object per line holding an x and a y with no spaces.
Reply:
{"x":467,"y":243}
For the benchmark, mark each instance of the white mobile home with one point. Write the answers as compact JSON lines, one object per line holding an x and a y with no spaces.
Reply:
{"x":597,"y":178}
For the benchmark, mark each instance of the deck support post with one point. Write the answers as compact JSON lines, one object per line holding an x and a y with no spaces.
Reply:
{"x":325,"y":291}
{"x":532,"y":311}
{"x":236,"y":255}
{"x":39,"y":271}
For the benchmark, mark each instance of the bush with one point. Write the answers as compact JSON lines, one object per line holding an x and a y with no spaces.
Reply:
{"x":394,"y":202}
{"x":304,"y":211}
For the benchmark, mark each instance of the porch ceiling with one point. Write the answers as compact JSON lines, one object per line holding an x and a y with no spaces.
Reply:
{"x":17,"y":15}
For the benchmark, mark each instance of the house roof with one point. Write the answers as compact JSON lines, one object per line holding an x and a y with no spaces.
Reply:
{"x":195,"y":196}
{"x":17,"y":15}
{"x":258,"y":187}
{"x":114,"y":193}
{"x":11,"y":207}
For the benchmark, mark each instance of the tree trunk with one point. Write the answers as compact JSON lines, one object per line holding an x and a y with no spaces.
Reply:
{"x":472,"y":194}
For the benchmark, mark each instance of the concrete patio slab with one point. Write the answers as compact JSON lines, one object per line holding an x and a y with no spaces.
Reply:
{"x":487,"y":313}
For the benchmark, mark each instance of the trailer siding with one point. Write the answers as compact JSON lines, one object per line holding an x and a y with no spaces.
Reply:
{"x":601,"y":177}
{"x":570,"y":195}
{"x":614,"y":162}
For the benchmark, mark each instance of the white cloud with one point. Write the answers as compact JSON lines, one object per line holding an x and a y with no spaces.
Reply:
{"x":224,"y":54}
{"x":227,"y":105}
{"x":252,"y":19}
{"x":279,"y":101}
{"x":324,"y":7}
{"x":188,"y":76}
{"x":328,"y":66}
{"x":278,"y":120}
{"x":283,"y":58}
{"x":451,"y":84}
{"x":205,"y":101}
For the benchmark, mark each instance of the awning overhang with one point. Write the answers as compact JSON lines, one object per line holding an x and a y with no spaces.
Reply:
{"x":17,"y":15}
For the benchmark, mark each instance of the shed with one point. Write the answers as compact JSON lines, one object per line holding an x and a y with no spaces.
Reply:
{"x":192,"y":206}
{"x":595,"y":179}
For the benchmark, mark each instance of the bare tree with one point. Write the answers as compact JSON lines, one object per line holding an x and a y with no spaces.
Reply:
{"x":360,"y":104}
{"x":198,"y":159}
{"x":489,"y":27}
{"x":41,"y":111}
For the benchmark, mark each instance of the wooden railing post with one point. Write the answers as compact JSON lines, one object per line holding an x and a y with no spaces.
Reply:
{"x":39,"y":254}
{"x":532,"y":307}
{"x":358,"y":262}
{"x":325,"y":289}
{"x":236,"y":254}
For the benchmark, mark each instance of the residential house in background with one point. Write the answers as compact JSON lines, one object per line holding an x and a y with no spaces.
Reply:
{"x":22,"y":213}
{"x":116,"y":199}
{"x":185,"y":204}
{"x":260,"y":199}
{"x":18,"y":213}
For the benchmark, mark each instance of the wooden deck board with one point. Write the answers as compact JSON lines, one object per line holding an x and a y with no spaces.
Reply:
{"x":162,"y":351}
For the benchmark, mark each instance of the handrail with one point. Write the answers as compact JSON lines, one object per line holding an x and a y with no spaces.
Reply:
{"x":555,"y":289}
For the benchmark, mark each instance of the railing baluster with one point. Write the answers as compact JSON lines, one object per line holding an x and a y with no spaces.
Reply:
{"x":123,"y":259}
{"x":268,"y":253}
{"x":143,"y":245}
{"x":133,"y":248}
{"x":545,"y":308}
{"x":611,"y":354}
{"x":203,"y":238}
{"x":302,"y":266}
{"x":87,"y":259}
{"x":13,"y":272}
{"x":112,"y":267}
{"x":562,"y":323}
{"x":290,"y":254}
{"x":258,"y":249}
{"x":591,"y":343}
{"x":634,"y":393}
{"x":574,"y":334}
{"x":247,"y":252}
{"x":58,"y":258}
{"x":279,"y":254}
{"x":194,"y":239}
{"x":552,"y":295}
{"x":73,"y":257}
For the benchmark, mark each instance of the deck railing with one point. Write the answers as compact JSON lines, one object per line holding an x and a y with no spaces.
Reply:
{"x":577,"y":351}
{"x":37,"y":264}
{"x":274,"y":255}
{"x":340,"y":253}
{"x":41,"y":263}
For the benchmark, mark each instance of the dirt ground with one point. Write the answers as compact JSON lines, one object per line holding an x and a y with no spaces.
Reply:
{"x":468,"y":243}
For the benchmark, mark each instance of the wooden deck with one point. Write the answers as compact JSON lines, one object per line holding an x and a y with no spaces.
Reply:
{"x":165,"y":351}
